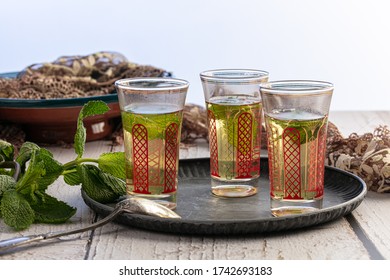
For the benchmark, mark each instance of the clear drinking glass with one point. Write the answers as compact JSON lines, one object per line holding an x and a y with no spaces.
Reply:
{"x":152,"y":112}
{"x":296,"y":117}
{"x":234,"y":113}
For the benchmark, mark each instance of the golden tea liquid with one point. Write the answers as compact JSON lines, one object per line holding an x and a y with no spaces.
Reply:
{"x":152,"y":137}
{"x":297,"y":144}
{"x":234,"y":135}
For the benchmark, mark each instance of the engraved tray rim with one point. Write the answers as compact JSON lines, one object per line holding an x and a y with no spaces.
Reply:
{"x":354,"y":193}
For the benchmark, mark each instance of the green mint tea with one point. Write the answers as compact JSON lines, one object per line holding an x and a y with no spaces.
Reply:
{"x":297,"y":145}
{"x":234,"y":135}
{"x":152,"y":138}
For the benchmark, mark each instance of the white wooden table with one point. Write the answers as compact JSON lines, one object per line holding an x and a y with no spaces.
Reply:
{"x":365,"y":234}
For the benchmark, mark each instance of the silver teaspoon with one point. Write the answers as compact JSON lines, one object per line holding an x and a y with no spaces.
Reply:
{"x":134,"y":205}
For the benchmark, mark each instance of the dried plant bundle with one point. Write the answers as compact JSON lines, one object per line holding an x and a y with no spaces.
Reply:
{"x":75,"y":76}
{"x":367,"y":156}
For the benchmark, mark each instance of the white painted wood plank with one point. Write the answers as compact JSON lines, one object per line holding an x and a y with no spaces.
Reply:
{"x":359,"y":121}
{"x":372,"y":215}
{"x":334,"y":240}
{"x":195,"y":150}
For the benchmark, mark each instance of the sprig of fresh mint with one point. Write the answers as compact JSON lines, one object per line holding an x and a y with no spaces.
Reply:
{"x":24,"y":201}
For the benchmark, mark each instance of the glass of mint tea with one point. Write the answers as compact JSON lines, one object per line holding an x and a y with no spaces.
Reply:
{"x":296,"y":119}
{"x":152,"y":113}
{"x":234,"y":112}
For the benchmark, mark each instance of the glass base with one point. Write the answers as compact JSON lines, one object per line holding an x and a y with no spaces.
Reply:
{"x":285,"y":207}
{"x":234,"y":188}
{"x":167,"y":200}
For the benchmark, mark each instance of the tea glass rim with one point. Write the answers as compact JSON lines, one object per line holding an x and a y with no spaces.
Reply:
{"x":138,"y":84}
{"x":229,"y":75}
{"x":297,"y":87}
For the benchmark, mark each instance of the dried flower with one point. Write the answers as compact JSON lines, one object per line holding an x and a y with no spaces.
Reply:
{"x":367,"y":156}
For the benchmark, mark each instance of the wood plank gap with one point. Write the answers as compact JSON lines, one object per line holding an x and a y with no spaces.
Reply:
{"x":90,"y":238}
{"x":367,"y":243}
{"x":96,"y":218}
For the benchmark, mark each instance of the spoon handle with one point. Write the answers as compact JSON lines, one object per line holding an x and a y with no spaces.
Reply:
{"x":20,"y":241}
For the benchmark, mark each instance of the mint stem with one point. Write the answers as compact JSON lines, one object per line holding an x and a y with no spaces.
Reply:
{"x":75,"y":162}
{"x":69,"y":171}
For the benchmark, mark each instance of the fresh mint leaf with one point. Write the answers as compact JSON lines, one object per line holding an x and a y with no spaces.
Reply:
{"x":94,"y":184}
{"x":117,"y":185}
{"x":28,"y":183}
{"x":113,"y":163}
{"x":25,"y":153}
{"x":42,"y":171}
{"x":89,"y":109}
{"x":6,"y":183}
{"x":72,"y":178}
{"x":49,"y":210}
{"x":6,"y":151}
{"x":16,"y":211}
{"x":53,"y":169}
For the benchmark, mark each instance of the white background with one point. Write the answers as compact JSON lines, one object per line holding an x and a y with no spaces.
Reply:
{"x":103,"y":270}
{"x":343,"y":42}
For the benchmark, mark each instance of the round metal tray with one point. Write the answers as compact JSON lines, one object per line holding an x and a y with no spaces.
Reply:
{"x":205,"y":214}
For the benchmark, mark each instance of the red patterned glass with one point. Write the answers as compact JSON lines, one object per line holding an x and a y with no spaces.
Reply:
{"x":152,"y":112}
{"x":296,"y":116}
{"x":234,"y":115}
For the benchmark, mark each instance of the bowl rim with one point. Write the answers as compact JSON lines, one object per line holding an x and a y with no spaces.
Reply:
{"x":51,"y":103}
